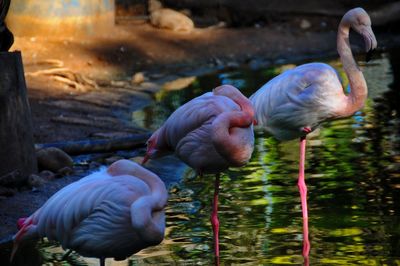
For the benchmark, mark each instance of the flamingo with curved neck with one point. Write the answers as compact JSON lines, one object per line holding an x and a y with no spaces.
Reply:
{"x":209,"y":133}
{"x":110,"y":213}
{"x":297,"y":101}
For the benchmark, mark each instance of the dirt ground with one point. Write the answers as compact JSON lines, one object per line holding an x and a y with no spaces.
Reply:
{"x":65,"y":110}
{"x":81,"y":88}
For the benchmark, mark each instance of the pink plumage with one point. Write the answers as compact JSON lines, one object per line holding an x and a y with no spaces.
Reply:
{"x":114,"y":212}
{"x":310,"y":94}
{"x":296,"y":102}
{"x":209,"y":133}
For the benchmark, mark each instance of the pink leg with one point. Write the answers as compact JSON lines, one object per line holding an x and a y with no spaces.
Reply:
{"x":214,"y":219}
{"x":303,"y":195}
{"x":301,"y":182}
{"x":306,"y":243}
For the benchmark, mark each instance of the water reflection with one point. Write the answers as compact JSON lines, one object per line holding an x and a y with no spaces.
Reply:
{"x":352,"y":173}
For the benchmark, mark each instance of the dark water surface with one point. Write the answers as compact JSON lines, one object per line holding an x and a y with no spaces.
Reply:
{"x":352,"y":173}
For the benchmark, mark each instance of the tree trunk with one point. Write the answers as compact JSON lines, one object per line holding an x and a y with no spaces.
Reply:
{"x":17,"y":153}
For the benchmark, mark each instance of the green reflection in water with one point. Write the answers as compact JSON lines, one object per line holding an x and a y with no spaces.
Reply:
{"x":352,"y":173}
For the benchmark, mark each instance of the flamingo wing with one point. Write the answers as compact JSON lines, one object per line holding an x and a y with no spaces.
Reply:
{"x":194,"y":114}
{"x":301,"y":97}
{"x":95,"y":205}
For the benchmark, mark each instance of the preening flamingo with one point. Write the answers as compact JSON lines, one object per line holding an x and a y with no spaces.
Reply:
{"x":114,"y":212}
{"x":294,"y":103}
{"x":209,"y":133}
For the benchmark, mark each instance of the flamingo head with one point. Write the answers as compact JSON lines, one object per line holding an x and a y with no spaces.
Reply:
{"x":155,"y":146}
{"x":21,"y":222}
{"x":360,"y":21}
{"x":151,"y":148}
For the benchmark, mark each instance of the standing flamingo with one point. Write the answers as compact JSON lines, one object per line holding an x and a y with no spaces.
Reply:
{"x":114,"y":212}
{"x":294,"y":103}
{"x":209,"y":133}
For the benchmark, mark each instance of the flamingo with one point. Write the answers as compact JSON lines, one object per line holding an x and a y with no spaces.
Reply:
{"x":209,"y":133}
{"x":113,"y":212}
{"x":296,"y":102}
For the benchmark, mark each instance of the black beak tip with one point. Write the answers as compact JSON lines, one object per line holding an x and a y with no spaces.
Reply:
{"x":369,"y":54}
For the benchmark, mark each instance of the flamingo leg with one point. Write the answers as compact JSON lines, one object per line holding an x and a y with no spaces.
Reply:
{"x":214,"y":219}
{"x":306,"y":243}
{"x":303,"y":195}
{"x":301,"y":182}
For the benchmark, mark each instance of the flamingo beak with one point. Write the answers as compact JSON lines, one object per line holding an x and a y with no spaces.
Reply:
{"x":369,"y":54}
{"x":145,"y":159}
{"x":370,"y":42}
{"x":21,"y":222}
{"x":149,"y":153}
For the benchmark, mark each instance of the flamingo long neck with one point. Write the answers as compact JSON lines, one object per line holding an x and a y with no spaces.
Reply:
{"x":235,"y":95}
{"x":143,"y":208}
{"x":356,"y":98}
{"x":150,"y":227}
{"x":159,"y":193}
{"x":244,"y":104}
{"x":126,"y":167}
{"x":228,"y":145}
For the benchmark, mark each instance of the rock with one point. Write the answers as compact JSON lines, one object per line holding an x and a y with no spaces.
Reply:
{"x":305,"y":24}
{"x":36,"y":181}
{"x":53,"y":159}
{"x":119,"y":83}
{"x":138,"y":78}
{"x":46,"y":174}
{"x":166,"y":18}
{"x":178,"y":84}
{"x":93,"y":165}
{"x":65,"y":171}
{"x":150,"y":87}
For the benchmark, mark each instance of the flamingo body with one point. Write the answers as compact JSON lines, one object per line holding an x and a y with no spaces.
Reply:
{"x":304,"y":97}
{"x":298,"y":98}
{"x":188,"y":133}
{"x":296,"y":102}
{"x":209,"y":133}
{"x":114,"y":212}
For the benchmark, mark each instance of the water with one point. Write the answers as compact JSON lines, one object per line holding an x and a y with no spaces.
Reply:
{"x":352,"y":173}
